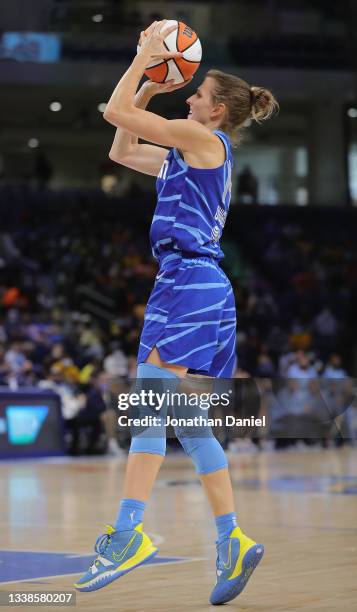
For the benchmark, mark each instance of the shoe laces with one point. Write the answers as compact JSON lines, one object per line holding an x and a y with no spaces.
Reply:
{"x":103,"y":541}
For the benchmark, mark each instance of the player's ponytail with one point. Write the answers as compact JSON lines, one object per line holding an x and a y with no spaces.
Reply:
{"x":242,"y":102}
{"x":264,"y":105}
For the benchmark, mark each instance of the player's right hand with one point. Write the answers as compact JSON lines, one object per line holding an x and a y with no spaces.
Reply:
{"x":151,"y":41}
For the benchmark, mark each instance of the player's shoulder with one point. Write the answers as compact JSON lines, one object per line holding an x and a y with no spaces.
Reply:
{"x":191,"y":125}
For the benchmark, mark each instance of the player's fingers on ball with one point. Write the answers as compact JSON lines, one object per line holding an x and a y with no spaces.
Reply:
{"x":151,"y":28}
{"x":168,"y":56}
{"x":171,"y":54}
{"x":171,"y":29}
{"x":170,"y":84}
{"x":179,"y":85}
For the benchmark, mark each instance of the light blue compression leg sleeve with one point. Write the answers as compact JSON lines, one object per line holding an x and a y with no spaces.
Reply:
{"x":199,"y":442}
{"x":205,"y":451}
{"x":152,"y":439}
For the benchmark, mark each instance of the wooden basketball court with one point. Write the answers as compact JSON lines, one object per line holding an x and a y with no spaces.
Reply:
{"x":301,"y":506}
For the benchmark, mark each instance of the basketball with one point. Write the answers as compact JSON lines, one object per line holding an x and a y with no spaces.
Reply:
{"x":183,"y":40}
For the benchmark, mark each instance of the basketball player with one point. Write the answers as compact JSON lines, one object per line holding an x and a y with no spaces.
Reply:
{"x":190,"y":321}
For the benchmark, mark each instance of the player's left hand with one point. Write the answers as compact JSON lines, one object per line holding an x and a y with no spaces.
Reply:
{"x":152,"y":41}
{"x":160,"y":88}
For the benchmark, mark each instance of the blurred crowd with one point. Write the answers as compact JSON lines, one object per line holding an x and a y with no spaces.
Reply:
{"x":296,"y":287}
{"x":76,"y":272}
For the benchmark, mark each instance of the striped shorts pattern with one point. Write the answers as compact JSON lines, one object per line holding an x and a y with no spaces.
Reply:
{"x":191,"y":317}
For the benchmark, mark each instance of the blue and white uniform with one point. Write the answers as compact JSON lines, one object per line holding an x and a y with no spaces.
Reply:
{"x":190,"y":316}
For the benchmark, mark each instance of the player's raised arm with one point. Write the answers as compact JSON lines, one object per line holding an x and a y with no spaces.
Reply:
{"x":126,"y":150}
{"x":121,"y":110}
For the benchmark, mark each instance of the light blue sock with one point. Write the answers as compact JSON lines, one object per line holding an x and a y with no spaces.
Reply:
{"x":131,"y":513}
{"x":225,"y":525}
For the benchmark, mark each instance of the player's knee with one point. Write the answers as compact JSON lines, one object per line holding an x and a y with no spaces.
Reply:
{"x":205,"y":451}
{"x":149,"y":435}
{"x":147,"y":444}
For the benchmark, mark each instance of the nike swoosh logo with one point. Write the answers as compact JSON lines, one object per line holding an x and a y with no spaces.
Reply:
{"x":121,"y":556}
{"x":228,"y":565}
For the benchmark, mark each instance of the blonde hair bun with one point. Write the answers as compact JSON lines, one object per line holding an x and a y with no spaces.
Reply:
{"x":264,"y":105}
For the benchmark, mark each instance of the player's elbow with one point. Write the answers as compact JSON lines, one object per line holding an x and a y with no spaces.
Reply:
{"x":117,"y":117}
{"x":116,"y":156}
{"x":120,"y":157}
{"x":112,"y":117}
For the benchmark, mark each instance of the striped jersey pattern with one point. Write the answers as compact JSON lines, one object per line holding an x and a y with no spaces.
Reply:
{"x":192,"y":206}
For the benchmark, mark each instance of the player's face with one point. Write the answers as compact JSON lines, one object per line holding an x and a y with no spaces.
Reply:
{"x":201,"y":103}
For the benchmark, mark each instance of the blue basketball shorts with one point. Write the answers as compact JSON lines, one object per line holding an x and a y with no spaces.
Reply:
{"x":191,"y":317}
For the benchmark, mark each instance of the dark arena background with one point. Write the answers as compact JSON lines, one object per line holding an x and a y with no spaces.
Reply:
{"x":76,"y":271}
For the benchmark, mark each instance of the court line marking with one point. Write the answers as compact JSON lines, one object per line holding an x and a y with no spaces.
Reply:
{"x":60,"y":460}
{"x":188,"y":560}
{"x":46,"y":552}
{"x":159,"y":539}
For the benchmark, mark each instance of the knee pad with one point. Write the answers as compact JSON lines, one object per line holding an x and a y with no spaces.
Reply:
{"x":202,"y":446}
{"x":199,"y":441}
{"x":206,"y":453}
{"x":151,"y":438}
{"x":143,"y":443}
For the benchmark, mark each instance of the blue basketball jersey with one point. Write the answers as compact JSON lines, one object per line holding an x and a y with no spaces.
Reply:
{"x":192,"y":206}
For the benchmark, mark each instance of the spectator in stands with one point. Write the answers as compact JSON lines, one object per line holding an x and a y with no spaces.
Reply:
{"x":14,"y":358}
{"x":90,"y":341}
{"x":300,"y":338}
{"x":265,"y":367}
{"x":110,"y":389}
{"x":298,"y":414}
{"x":334,"y":367}
{"x":302,"y":367}
{"x":88,"y":419}
{"x":72,"y":399}
{"x":286,"y":359}
{"x":116,"y":363}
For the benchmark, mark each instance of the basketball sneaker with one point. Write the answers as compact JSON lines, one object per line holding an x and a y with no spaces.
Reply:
{"x":118,"y":553}
{"x":237,"y":558}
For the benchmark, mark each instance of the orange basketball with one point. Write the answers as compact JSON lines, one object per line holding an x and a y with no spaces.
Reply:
{"x":182,"y":68}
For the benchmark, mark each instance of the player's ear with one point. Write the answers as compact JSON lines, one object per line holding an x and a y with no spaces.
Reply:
{"x":218,"y":110}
